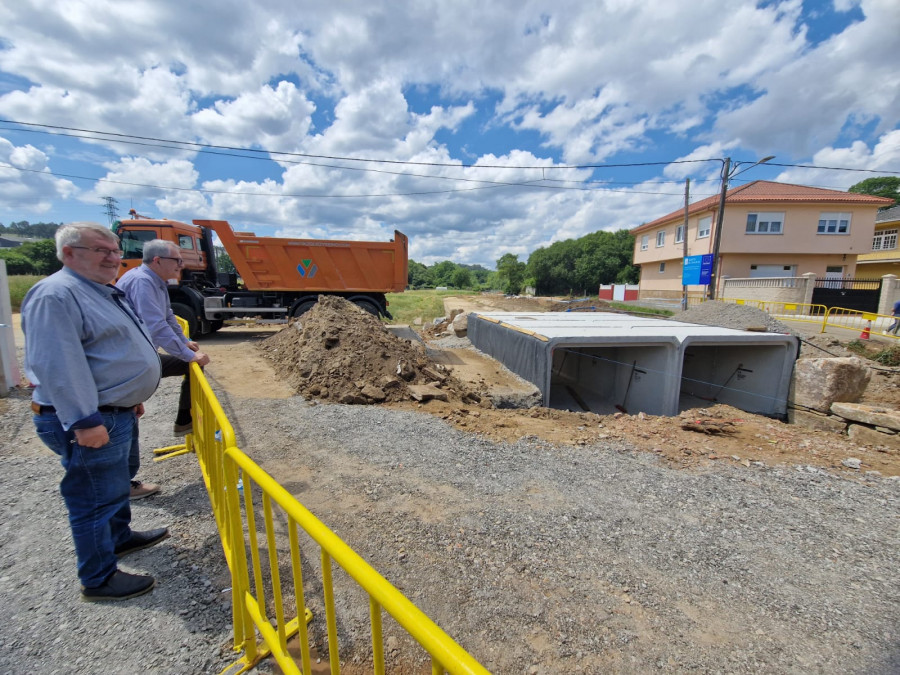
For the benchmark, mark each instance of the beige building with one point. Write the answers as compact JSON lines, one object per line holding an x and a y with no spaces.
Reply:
{"x":884,"y":256}
{"x":770,"y":230}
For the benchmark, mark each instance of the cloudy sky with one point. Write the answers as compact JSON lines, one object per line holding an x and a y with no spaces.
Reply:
{"x":477,"y":128}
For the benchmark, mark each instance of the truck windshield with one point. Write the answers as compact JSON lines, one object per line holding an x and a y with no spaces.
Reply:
{"x":133,"y":242}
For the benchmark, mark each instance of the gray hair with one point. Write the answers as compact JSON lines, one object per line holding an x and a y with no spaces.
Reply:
{"x":157,"y":247}
{"x":70,"y":235}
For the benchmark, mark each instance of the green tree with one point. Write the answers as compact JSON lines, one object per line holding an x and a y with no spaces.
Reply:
{"x":511,"y":273}
{"x":223,"y":260}
{"x":880,"y":186}
{"x":442,"y":273}
{"x":461,"y":278}
{"x":16,"y":262}
{"x":419,"y":275}
{"x":42,"y":255}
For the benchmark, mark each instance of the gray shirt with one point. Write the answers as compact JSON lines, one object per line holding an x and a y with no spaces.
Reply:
{"x":84,"y":348}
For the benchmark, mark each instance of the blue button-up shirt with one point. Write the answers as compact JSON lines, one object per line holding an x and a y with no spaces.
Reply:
{"x":149,"y":295}
{"x":84,"y":348}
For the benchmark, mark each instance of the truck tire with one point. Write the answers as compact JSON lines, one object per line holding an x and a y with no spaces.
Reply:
{"x":368,"y":306}
{"x":188,"y":315}
{"x":302,"y":308}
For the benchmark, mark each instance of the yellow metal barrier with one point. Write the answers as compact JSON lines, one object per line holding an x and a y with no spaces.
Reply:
{"x":795,"y":311}
{"x":228,"y":473}
{"x":853,"y":319}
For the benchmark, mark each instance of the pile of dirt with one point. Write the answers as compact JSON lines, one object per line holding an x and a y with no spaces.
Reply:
{"x":731,"y":315}
{"x":341,"y":353}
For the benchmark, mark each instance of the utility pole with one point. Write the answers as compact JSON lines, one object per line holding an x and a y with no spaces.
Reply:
{"x":728,"y":171}
{"x":112,"y":212}
{"x":717,"y":240}
{"x":684,"y":243}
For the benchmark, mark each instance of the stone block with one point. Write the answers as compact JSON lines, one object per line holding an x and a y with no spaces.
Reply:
{"x":818,"y":421}
{"x":874,"y":415}
{"x":460,"y":325}
{"x":817,"y":383}
{"x":868,"y":436}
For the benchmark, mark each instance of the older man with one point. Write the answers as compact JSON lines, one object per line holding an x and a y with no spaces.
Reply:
{"x":146,"y":287}
{"x":93,"y":365}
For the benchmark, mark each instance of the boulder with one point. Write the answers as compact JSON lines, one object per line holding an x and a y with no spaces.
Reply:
{"x":875,"y":415}
{"x":460,"y":325}
{"x":864,"y":435}
{"x":817,"y":383}
{"x":818,"y":421}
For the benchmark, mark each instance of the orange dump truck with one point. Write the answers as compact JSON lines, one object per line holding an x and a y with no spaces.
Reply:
{"x":276,"y":278}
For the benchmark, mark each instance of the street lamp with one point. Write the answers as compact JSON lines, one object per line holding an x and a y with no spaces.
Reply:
{"x":728,"y":172}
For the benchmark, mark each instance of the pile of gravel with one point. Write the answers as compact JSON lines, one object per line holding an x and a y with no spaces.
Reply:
{"x":730,"y":315}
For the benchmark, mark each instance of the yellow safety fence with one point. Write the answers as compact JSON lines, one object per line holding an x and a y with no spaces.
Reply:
{"x":866,"y":323}
{"x":239,"y":491}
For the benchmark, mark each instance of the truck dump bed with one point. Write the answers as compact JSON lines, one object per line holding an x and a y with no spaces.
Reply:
{"x":276,"y":264}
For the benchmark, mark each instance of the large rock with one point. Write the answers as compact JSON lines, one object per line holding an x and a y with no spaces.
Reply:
{"x":867,"y":436}
{"x":460,"y":325}
{"x":817,"y":383}
{"x":814,"y":420}
{"x":875,"y":415}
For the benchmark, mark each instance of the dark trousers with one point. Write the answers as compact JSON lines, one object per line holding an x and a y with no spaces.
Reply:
{"x":173,"y":367}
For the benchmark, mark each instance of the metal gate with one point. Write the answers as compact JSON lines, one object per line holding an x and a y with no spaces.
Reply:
{"x":859,"y":294}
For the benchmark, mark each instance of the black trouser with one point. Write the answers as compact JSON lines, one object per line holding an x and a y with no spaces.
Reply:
{"x":172,"y":367}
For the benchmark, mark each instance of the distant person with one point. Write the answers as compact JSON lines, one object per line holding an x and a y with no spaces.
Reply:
{"x":146,"y":287}
{"x":896,"y":314}
{"x":92,"y":365}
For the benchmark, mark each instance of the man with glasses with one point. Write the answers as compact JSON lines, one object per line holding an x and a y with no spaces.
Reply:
{"x":146,"y":286}
{"x":92,"y":365}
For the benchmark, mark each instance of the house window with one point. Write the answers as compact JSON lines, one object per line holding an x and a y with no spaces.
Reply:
{"x":765,"y":223}
{"x":662,"y":267}
{"x":884,"y":240}
{"x":834,"y":223}
{"x":645,"y":242}
{"x":679,"y":234}
{"x":660,"y":238}
{"x":704,"y":227}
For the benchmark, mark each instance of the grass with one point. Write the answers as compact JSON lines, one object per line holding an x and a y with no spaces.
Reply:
{"x":422,"y":304}
{"x":637,"y":309}
{"x":19,"y":285}
{"x":889,"y":356}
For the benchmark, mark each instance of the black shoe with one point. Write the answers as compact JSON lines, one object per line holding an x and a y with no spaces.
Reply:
{"x":140,"y":540}
{"x":119,"y":586}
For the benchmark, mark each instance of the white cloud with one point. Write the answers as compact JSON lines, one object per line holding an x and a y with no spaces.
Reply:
{"x":25,"y":182}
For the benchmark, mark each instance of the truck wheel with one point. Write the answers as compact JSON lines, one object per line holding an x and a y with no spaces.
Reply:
{"x":368,"y":306}
{"x":215,"y":325}
{"x":303,"y":308}
{"x":188,"y":315}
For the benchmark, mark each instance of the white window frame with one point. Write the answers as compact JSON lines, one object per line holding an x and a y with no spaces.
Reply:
{"x":662,"y":267}
{"x":704,"y":227}
{"x":660,"y":239}
{"x":834,"y":222}
{"x":765,"y":222}
{"x":885,"y":240}
{"x":645,"y":242}
{"x":679,"y":234}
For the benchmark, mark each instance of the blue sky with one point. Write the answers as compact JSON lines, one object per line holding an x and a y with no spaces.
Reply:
{"x":486,"y":128}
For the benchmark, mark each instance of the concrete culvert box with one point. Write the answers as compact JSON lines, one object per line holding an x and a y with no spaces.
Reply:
{"x":610,"y":378}
{"x":603,"y":362}
{"x":735,"y":369}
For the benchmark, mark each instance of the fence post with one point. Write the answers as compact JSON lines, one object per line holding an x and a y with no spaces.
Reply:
{"x":9,"y":367}
{"x":888,"y":293}
{"x":810,"y":279}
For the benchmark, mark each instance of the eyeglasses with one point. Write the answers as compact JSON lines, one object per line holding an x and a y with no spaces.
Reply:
{"x":114,"y":252}
{"x":178,"y":261}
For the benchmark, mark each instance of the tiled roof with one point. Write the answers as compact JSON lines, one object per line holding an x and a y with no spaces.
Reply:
{"x":768,"y":191}
{"x":888,"y":215}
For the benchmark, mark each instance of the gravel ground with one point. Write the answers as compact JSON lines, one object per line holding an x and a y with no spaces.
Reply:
{"x":537,"y":558}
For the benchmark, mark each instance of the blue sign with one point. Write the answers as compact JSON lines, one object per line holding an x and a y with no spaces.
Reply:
{"x":697,"y":270}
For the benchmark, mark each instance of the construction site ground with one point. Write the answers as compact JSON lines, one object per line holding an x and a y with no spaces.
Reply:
{"x":544,"y":541}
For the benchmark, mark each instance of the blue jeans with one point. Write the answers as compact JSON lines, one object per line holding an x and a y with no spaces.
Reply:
{"x":95,"y":489}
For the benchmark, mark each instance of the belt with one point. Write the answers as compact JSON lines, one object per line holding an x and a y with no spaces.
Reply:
{"x":39,"y":409}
